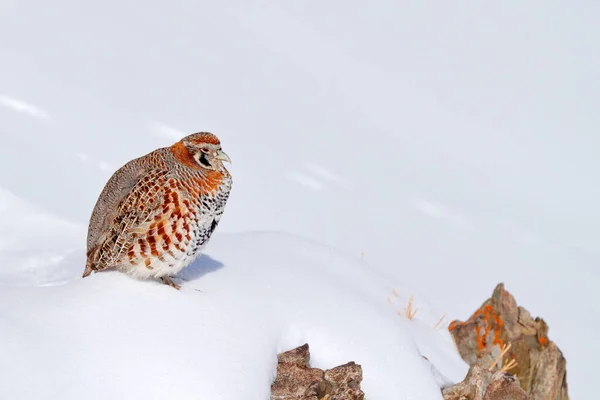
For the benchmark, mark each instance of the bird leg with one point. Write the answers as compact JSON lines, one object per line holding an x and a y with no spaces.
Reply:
{"x":167,"y":280}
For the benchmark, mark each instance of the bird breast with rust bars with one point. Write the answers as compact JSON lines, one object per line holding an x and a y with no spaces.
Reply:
{"x":157,"y":211}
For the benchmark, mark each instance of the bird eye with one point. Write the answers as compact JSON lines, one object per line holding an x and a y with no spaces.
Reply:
{"x":205,"y":149}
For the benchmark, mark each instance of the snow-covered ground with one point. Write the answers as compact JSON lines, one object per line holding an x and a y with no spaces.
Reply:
{"x":448,"y":146}
{"x":250,"y":297}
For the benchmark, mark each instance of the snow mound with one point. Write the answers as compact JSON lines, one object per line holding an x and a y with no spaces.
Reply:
{"x":35,"y":247}
{"x":250,"y":297}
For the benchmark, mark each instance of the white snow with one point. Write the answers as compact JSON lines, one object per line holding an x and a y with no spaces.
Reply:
{"x":448,"y":146}
{"x":22,"y":107}
{"x":33,"y":243}
{"x":252,"y":295}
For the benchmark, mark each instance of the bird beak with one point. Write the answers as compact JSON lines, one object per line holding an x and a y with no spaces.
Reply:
{"x":222,"y":156}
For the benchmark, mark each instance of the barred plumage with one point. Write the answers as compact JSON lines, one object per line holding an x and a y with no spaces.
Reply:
{"x":157,"y":211}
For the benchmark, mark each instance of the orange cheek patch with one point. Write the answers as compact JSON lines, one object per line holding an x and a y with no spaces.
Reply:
{"x":183,"y":155}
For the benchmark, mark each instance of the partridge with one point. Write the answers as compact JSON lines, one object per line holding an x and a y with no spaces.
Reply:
{"x":156,"y":212}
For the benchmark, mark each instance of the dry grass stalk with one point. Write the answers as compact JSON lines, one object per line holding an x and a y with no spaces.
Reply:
{"x":509,"y":365}
{"x":505,"y":349}
{"x":439,"y":322}
{"x":410,"y":314}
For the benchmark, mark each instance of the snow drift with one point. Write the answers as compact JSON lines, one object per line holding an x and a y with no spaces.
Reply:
{"x":251,"y":296}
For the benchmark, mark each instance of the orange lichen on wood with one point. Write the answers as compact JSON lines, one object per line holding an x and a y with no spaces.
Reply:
{"x":491,"y":323}
{"x":488,"y":327}
{"x":454,"y":324}
{"x":480,"y":339}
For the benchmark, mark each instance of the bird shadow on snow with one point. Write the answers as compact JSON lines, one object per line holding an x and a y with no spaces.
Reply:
{"x":203,"y":265}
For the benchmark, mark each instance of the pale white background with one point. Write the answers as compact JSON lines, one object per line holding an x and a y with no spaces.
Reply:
{"x":451,"y":144}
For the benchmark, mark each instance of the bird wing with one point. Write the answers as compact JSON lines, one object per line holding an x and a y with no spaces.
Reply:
{"x":116,"y":189}
{"x":130,"y":199}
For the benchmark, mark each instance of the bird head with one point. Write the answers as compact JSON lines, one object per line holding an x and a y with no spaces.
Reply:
{"x":205,"y":150}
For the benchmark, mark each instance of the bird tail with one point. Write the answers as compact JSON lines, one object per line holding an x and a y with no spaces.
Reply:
{"x":89,"y":263}
{"x":88,"y":271}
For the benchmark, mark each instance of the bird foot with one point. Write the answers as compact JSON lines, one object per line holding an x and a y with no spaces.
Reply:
{"x":167,"y":280}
